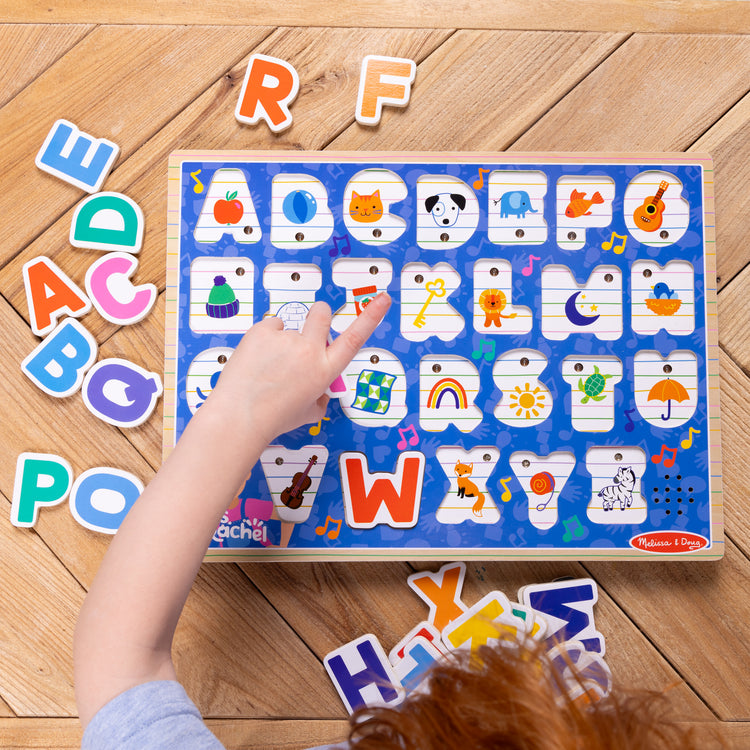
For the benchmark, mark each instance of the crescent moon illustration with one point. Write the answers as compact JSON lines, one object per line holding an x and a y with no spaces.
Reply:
{"x":574,"y":316}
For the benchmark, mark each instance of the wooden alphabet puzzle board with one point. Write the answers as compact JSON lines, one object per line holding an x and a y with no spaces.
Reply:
{"x":545,"y":383}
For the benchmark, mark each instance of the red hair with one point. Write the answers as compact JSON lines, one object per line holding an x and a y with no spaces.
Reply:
{"x":510,"y":697}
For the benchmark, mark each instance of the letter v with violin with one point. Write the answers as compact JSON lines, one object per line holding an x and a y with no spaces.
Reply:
{"x":293,"y":495}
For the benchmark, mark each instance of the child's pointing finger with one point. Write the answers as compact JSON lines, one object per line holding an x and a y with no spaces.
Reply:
{"x":345,"y":347}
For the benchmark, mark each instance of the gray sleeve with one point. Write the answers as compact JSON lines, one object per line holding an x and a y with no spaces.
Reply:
{"x":151,"y":715}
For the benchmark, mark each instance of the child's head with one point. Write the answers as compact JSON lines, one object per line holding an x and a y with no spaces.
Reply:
{"x":510,"y":697}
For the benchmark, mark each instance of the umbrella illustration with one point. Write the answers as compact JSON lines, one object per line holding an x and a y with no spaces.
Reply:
{"x":667,"y":391}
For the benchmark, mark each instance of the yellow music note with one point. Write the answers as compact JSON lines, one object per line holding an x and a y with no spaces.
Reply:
{"x":315,"y":429}
{"x":619,"y":249}
{"x":507,"y":495}
{"x":333,"y":533}
{"x":688,"y":441}
{"x":198,"y":187}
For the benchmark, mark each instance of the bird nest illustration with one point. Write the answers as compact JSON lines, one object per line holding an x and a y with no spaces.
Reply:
{"x":663,"y":306}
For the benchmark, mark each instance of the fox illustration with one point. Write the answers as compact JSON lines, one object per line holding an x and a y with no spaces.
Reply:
{"x":467,"y":488}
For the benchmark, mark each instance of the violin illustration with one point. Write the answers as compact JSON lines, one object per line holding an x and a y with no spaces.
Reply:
{"x":648,"y":216}
{"x":293,"y":495}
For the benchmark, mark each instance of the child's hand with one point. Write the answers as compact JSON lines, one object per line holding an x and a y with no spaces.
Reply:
{"x":276,"y":380}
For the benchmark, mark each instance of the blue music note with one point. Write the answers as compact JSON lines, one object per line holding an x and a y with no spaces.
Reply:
{"x":340,"y":244}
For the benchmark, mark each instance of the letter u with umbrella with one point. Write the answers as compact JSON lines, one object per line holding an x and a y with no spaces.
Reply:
{"x":666,"y":391}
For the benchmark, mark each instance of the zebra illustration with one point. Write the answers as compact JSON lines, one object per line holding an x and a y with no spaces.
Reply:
{"x":621,"y":490}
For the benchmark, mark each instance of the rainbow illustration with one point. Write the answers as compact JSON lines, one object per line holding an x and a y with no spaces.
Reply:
{"x":447,"y":385}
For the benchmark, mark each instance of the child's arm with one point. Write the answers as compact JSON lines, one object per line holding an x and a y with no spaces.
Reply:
{"x":274,"y":381}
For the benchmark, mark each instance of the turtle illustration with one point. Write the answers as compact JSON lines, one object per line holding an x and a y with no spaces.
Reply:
{"x":593,"y":386}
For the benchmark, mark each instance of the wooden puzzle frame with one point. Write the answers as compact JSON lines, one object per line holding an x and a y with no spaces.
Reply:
{"x":545,"y":384}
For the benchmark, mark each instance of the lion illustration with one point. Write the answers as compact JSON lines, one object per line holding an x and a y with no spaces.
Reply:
{"x":492,"y":303}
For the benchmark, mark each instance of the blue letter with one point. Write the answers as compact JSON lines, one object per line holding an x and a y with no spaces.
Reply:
{"x":58,"y":364}
{"x":76,"y":157}
{"x":101,"y":498}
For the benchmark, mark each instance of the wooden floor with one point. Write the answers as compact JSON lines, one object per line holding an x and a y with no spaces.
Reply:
{"x":531,"y":76}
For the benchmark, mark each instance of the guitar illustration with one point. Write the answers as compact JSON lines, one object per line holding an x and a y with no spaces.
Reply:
{"x":648,"y":216}
{"x":292,"y":496}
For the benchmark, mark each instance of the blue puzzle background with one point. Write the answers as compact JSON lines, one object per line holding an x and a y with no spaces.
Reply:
{"x":678,"y":498}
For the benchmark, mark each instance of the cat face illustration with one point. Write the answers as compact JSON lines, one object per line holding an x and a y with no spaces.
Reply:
{"x":366,"y":208}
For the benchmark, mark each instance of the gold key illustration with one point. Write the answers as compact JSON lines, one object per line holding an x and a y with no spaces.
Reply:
{"x":436,"y":289}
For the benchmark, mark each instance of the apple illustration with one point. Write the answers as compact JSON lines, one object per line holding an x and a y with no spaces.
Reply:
{"x":228,"y":211}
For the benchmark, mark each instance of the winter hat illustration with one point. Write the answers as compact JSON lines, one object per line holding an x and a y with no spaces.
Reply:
{"x":221,"y":300}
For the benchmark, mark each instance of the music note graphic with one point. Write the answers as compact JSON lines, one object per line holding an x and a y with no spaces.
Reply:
{"x":479,"y":182}
{"x":507,"y":495}
{"x":198,"y":187}
{"x":527,"y":271}
{"x":688,"y":441}
{"x":333,"y":533}
{"x":620,"y":248}
{"x":413,"y":440}
{"x":630,"y":426}
{"x":342,"y":245}
{"x":513,"y":537}
{"x":668,"y":462}
{"x":573,"y":528}
{"x":315,"y":429}
{"x":489,"y":355}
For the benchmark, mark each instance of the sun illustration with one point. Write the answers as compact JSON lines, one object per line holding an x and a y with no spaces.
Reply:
{"x":528,"y":401}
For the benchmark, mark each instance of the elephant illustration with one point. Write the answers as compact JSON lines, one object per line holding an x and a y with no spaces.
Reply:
{"x":515,"y":203}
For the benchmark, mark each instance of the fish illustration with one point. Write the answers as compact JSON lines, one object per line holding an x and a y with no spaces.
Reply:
{"x":662,"y":291}
{"x":579,"y":205}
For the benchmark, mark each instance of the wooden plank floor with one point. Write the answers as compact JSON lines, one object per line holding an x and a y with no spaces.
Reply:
{"x":532,"y":76}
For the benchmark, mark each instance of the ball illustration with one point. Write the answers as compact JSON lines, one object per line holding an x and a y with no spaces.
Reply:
{"x":299,"y":206}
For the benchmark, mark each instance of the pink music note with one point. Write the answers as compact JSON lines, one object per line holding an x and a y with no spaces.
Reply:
{"x":489,"y":355}
{"x":333,"y":533}
{"x":479,"y":182}
{"x":527,"y":271}
{"x":668,"y":462}
{"x":342,"y":245}
{"x":413,"y":440}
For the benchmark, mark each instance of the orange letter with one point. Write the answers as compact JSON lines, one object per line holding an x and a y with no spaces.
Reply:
{"x":384,"y":80}
{"x":50,"y":293}
{"x":442,"y":592}
{"x":370,"y":499}
{"x":269,"y":88}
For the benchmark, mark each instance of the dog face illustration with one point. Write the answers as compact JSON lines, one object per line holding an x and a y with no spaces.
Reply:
{"x":445,"y":208}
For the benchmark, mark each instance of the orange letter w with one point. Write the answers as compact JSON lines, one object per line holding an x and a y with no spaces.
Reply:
{"x":370,"y":499}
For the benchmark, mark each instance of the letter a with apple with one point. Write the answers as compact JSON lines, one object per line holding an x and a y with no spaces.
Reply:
{"x":228,"y":209}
